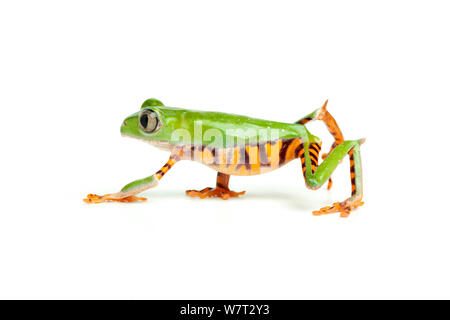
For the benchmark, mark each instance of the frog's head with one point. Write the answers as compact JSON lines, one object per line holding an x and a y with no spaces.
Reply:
{"x":150,"y":123}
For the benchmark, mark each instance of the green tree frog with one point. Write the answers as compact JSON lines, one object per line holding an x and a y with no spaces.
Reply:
{"x":238,"y":145}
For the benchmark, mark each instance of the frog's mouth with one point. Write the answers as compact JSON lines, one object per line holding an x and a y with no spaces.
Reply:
{"x":161,"y":144}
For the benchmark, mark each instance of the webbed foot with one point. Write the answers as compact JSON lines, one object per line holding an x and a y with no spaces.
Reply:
{"x":344,"y":207}
{"x":223,"y":193}
{"x":93,"y":198}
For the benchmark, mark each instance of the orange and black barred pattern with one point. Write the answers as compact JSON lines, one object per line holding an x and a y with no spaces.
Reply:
{"x":305,"y":120}
{"x":352,"y":172}
{"x":314,"y":151}
{"x":172,"y":160}
{"x":249,"y":159}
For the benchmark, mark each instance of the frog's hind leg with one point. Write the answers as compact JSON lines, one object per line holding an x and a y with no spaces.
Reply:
{"x":316,"y":176}
{"x":332,"y":126}
{"x":221,"y":190}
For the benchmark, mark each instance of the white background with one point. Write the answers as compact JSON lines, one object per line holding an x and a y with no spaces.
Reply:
{"x":70,"y":72}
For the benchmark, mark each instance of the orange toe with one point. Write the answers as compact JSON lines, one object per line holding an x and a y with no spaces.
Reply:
{"x":93,"y":198}
{"x":344,"y":208}
{"x":217,"y":192}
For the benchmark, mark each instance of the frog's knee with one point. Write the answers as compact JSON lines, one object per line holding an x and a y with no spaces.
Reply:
{"x":312,"y":183}
{"x":321,"y":112}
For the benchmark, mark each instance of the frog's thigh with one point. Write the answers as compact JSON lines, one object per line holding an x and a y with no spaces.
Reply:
{"x":332,"y":126}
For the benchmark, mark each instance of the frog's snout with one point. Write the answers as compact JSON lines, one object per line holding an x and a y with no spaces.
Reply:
{"x":124,"y":127}
{"x":130,"y":126}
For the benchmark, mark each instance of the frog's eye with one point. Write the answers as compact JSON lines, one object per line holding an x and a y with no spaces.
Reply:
{"x":148,"y":120}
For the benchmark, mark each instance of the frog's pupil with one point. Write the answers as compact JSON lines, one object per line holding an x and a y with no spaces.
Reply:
{"x":144,"y":121}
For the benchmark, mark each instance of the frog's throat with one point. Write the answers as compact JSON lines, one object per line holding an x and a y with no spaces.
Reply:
{"x":160,"y":144}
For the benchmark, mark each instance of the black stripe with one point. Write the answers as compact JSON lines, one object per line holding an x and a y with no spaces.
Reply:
{"x":313,"y":156}
{"x":218,"y":184}
{"x":246,"y":159}
{"x":168,"y":165}
{"x":284,"y":146}
{"x":192,"y":152}
{"x":215,"y":153}
{"x":298,"y":149}
{"x":316,"y":147}
{"x":160,"y":173}
{"x":303,"y":121}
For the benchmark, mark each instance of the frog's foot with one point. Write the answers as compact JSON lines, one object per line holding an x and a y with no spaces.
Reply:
{"x":93,"y":198}
{"x":344,"y":207}
{"x":223,"y":193}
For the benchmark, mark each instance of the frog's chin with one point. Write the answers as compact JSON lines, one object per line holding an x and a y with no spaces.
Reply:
{"x":160,"y":144}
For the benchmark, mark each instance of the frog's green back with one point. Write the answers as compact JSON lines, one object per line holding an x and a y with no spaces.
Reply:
{"x":216,"y":129}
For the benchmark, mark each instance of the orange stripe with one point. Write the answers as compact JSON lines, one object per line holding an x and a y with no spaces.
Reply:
{"x":235,"y":156}
{"x":316,"y":147}
{"x":313,"y":151}
{"x":253,"y":153}
{"x":291,"y":150}
{"x":275,"y":154}
{"x":268,"y":150}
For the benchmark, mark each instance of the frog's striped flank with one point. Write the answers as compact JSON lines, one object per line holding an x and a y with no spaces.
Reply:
{"x":249,"y":159}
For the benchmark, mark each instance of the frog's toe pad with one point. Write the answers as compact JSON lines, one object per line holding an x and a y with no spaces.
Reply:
{"x":93,"y":198}
{"x":344,"y":208}
{"x":218,"y":192}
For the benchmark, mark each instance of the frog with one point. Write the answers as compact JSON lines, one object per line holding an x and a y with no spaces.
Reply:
{"x":238,"y":145}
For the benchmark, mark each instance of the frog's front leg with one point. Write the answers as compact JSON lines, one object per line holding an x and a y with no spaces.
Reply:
{"x":221,"y":190}
{"x":129,"y":192}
